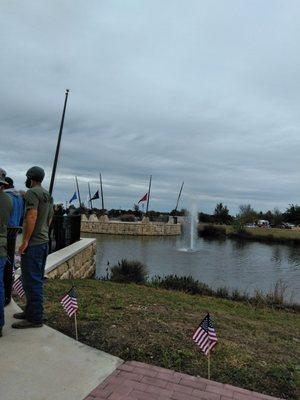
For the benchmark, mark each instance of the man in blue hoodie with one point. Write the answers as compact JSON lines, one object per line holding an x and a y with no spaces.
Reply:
{"x":14,"y":224}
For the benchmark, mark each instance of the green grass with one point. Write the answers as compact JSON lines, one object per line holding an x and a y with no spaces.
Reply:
{"x":259,"y":348}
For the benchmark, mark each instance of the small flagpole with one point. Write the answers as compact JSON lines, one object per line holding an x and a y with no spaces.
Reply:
{"x":78,"y":192}
{"x":148,"y":195}
{"x":76,"y":330}
{"x":179,"y":197}
{"x":208,"y":365}
{"x":91,"y":203}
{"x":101,"y":189}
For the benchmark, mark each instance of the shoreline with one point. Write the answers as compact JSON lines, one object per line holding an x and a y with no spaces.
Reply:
{"x":264,"y":235}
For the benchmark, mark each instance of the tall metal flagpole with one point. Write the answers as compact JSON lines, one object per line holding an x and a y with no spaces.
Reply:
{"x":58,"y":144}
{"x":101,"y":190}
{"x":91,"y":202}
{"x":148,"y":194}
{"x":179,"y":196}
{"x":78,"y":192}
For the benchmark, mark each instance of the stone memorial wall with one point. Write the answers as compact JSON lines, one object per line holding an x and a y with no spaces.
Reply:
{"x":143,"y":228}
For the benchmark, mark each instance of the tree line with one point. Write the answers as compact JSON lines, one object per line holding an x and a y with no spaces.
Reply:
{"x":247,"y":215}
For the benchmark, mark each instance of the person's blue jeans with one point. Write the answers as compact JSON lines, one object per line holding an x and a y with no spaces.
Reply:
{"x":2,"y":264}
{"x":33,"y":263}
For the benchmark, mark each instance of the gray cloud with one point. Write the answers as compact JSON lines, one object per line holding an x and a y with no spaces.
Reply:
{"x":205,"y":92}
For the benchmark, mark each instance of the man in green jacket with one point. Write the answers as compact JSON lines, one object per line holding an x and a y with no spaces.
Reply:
{"x":6,"y":207}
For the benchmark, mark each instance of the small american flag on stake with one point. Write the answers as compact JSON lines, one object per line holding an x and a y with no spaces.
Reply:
{"x":69,"y":302}
{"x":18,"y":287}
{"x":205,"y":335}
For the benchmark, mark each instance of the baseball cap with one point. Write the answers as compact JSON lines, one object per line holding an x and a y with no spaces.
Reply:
{"x":9,"y":181}
{"x":36,"y":174}
{"x":2,"y":177}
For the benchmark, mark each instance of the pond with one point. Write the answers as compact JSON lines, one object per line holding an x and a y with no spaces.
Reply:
{"x":246,"y":266}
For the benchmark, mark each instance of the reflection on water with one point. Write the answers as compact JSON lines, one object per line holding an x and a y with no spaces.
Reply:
{"x":243,"y":265}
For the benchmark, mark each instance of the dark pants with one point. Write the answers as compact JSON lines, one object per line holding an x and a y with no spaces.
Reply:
{"x":2,"y":264}
{"x":8,"y":281}
{"x":33,"y":267}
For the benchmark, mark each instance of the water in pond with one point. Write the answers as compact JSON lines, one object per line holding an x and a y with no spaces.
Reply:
{"x":245,"y":266}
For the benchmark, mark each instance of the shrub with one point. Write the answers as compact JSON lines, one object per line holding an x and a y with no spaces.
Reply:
{"x":184,"y":283}
{"x":127,"y":218}
{"x":223,"y":292}
{"x":277,"y":295}
{"x":236,"y":295}
{"x":129,"y":271}
{"x":259,"y":298}
{"x":213,"y":231}
{"x":238,"y":226}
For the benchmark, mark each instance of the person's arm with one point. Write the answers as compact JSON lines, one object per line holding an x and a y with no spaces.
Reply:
{"x":31,"y":206}
{"x":30,"y":221}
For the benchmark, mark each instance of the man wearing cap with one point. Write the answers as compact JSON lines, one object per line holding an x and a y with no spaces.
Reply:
{"x":6,"y":208}
{"x":34,"y":248}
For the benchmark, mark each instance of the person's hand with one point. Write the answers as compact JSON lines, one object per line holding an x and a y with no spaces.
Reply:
{"x":23,"y":247}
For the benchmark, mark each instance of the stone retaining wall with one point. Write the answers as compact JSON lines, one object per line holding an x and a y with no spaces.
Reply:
{"x":73,"y":262}
{"x":143,"y":228}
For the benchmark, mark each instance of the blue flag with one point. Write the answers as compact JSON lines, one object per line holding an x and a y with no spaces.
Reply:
{"x":74,"y":197}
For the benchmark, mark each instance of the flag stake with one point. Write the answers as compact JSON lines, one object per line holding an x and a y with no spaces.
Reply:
{"x":76,"y":330}
{"x":69,"y":303}
{"x":206,"y":338}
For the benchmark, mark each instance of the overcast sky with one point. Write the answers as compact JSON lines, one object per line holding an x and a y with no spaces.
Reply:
{"x":202,"y":91}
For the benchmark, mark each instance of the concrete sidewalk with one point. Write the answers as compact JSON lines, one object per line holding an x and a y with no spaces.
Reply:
{"x":44,"y":364}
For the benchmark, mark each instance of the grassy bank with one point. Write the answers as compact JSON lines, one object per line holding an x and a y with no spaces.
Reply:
{"x":271,"y":235}
{"x":259,"y":348}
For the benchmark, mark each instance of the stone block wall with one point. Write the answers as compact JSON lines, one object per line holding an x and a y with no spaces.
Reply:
{"x":144,"y":228}
{"x":78,"y":262}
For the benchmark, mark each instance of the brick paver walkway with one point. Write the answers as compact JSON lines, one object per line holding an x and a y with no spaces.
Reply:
{"x":137,"y":381}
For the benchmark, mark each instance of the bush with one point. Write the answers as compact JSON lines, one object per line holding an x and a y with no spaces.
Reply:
{"x":129,"y":271}
{"x":275,"y":297}
{"x":127,"y":218}
{"x":236,"y":295}
{"x":213,"y":231}
{"x":223,"y":292}
{"x":239,"y":226}
{"x":183,"y":283}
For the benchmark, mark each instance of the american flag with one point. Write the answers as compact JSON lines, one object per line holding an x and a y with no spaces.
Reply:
{"x":205,"y":335}
{"x":69,"y":302}
{"x":18,"y":287}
